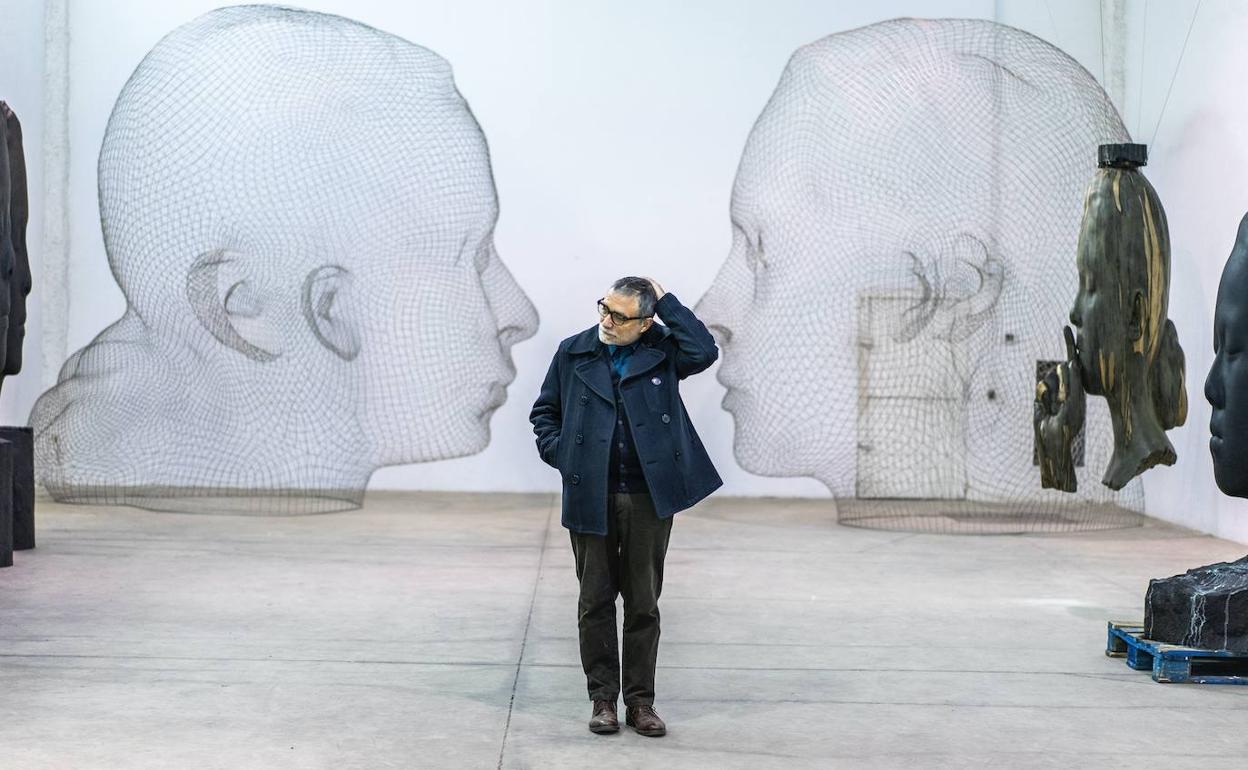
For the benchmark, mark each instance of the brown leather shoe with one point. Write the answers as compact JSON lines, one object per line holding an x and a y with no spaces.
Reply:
{"x":645,"y":721}
{"x":604,"y":719}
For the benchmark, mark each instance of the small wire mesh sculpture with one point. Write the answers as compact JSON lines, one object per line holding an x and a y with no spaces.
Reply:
{"x":300,"y":211}
{"x":904,"y":224}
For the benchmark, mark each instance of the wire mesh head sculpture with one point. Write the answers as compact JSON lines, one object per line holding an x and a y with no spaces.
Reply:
{"x":299,"y":210}
{"x":904,"y":223}
{"x":18,"y":275}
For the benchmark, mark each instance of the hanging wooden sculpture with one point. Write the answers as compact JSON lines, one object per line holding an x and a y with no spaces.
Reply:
{"x":1125,"y":348}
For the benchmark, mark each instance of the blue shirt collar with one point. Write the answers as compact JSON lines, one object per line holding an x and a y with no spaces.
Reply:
{"x":631,"y":348}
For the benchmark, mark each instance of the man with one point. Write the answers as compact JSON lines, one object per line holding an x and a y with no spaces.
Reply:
{"x":610,"y":418}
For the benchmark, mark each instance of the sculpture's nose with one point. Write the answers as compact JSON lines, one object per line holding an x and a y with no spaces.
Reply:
{"x":1215,"y":392}
{"x":514,"y":313}
{"x":730,"y":295}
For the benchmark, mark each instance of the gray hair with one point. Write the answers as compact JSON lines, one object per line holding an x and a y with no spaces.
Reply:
{"x":642,"y":289}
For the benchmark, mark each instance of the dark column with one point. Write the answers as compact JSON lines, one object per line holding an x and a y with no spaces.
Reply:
{"x":6,"y":504}
{"x":22,"y":475}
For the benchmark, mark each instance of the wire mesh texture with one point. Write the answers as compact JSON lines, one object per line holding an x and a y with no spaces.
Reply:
{"x":905,"y":216}
{"x":299,"y":210}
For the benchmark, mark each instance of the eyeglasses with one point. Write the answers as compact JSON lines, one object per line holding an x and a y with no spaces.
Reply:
{"x":619,"y":319}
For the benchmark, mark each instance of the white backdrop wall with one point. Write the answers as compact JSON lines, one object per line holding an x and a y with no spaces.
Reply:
{"x":1186,"y":102}
{"x":615,"y":129}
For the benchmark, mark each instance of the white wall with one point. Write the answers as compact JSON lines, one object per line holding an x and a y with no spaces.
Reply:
{"x":615,"y":130}
{"x":1198,"y":163}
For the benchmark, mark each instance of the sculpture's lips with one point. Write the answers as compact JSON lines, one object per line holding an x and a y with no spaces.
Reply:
{"x":495,"y":397}
{"x":734,"y":399}
{"x":1215,"y":430}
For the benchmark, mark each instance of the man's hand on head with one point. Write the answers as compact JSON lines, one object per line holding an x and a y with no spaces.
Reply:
{"x":658,"y":290}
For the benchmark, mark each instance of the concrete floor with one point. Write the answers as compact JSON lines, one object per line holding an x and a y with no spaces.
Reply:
{"x":438,"y":630}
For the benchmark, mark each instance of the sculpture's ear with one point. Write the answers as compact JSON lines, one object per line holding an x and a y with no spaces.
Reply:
{"x":1169,"y":390}
{"x":326,"y":299}
{"x":224,"y":299}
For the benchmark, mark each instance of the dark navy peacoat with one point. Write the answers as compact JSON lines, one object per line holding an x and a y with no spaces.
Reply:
{"x":574,"y":417}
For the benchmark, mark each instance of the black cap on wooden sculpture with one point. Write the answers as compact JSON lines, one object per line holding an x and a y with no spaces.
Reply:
{"x":1122,"y":155}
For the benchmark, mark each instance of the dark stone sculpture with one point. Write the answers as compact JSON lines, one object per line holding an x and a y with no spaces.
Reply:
{"x":19,"y":216}
{"x":1207,"y":607}
{"x":1228,"y":376}
{"x":17,"y":524}
{"x":21,"y":481}
{"x":8,"y":257}
{"x":1127,"y":350}
{"x":6,"y":505}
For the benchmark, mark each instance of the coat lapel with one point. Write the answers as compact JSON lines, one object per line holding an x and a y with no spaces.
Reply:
{"x":643,"y":360}
{"x":592,"y":368}
{"x":593,"y":371}
{"x":647,"y":355}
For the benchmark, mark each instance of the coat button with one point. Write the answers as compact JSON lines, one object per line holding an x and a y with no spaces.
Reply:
{"x":576,"y":479}
{"x":584,"y":398}
{"x":580,"y":439}
{"x":677,"y":454}
{"x":665,"y":419}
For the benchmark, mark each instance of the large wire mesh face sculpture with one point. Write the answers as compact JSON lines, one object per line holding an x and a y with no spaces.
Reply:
{"x":299,"y":210}
{"x":904,"y":226}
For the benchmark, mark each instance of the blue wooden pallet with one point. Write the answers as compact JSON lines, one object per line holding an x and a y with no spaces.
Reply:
{"x":1174,"y":663}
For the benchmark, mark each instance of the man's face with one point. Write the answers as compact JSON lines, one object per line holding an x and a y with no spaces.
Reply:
{"x":1099,"y":332}
{"x":627,"y":332}
{"x":1227,"y":382}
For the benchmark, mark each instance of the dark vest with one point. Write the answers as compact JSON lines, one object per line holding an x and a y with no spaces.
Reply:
{"x":624,"y":473}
